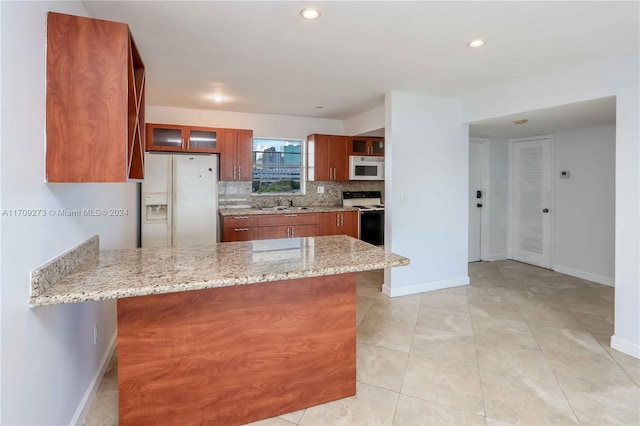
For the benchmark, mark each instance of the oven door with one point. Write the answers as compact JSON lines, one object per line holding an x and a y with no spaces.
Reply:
{"x":372,"y":226}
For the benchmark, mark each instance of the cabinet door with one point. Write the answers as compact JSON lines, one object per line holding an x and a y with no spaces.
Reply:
{"x":318,"y":158}
{"x":377,"y":146}
{"x":339,"y":223}
{"x":228,"y":166}
{"x":202,"y":139}
{"x":349,"y":224}
{"x":299,"y":231}
{"x":339,"y":158}
{"x":359,"y":146}
{"x":244,"y":155}
{"x":165,"y":137}
{"x":329,"y":223}
{"x":272,"y":232}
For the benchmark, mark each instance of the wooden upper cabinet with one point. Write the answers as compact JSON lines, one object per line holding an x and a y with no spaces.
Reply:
{"x":328,"y":158}
{"x":174,"y":138}
{"x":236,"y":160}
{"x":366,"y":146}
{"x":94,"y":102}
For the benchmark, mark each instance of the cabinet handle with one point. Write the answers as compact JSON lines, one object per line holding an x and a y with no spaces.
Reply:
{"x":288,"y":232}
{"x":293,"y":232}
{"x":337,"y":220}
{"x":240,"y":229}
{"x":188,"y":143}
{"x":241,"y":217}
{"x":239,"y":172}
{"x":234,"y":172}
{"x":341,"y":219}
{"x":290,"y":215}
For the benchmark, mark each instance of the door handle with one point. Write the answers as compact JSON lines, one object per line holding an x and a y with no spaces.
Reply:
{"x":545,"y":210}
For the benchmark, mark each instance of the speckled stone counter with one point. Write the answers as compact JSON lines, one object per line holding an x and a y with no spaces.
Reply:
{"x":273,"y":210}
{"x":126,"y":273}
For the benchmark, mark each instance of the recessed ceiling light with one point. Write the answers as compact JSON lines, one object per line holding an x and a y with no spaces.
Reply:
{"x":476,"y":43}
{"x":217,"y":98}
{"x":521,"y":121}
{"x":310,"y":14}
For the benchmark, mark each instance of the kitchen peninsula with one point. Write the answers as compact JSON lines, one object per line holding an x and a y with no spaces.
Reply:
{"x":227,"y":333}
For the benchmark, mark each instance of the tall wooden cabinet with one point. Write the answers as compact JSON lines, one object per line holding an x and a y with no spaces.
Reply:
{"x":95,"y":101}
{"x":328,"y":158}
{"x":236,"y":161}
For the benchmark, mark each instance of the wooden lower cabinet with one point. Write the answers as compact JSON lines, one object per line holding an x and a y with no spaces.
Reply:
{"x":293,"y":231}
{"x":239,"y":228}
{"x":339,"y":223}
{"x":289,"y":225}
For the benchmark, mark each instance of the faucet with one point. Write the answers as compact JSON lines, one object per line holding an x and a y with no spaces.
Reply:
{"x":290,"y":202}
{"x":278,"y":202}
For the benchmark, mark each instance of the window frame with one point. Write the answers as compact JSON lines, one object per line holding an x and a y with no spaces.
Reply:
{"x":303,"y":168}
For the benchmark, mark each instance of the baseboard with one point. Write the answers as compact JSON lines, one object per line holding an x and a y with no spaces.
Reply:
{"x":420,"y":288}
{"x":494,"y":257}
{"x":584,"y":275}
{"x":626,"y":347}
{"x":90,"y":394}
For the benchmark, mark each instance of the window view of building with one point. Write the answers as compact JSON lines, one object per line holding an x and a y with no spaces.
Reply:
{"x":277,"y":165}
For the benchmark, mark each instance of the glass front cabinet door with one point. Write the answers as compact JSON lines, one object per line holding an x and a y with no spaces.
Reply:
{"x":166,"y":137}
{"x":367,"y":146}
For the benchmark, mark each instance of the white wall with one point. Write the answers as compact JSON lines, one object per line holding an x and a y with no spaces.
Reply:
{"x":365,"y":122}
{"x":427,"y":153}
{"x":584,"y":237}
{"x":48,"y":356}
{"x":263,"y":125}
{"x":613,"y":77}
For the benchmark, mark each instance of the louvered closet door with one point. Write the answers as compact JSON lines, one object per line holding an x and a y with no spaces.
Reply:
{"x":531,"y":198}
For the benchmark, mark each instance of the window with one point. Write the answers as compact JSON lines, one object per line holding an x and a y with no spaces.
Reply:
{"x":277,"y":166}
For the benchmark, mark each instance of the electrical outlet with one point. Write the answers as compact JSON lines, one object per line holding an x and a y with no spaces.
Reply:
{"x":95,"y":333}
{"x":321,"y":190}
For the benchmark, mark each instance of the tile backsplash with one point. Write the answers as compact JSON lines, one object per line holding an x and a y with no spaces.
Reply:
{"x":233,"y":195}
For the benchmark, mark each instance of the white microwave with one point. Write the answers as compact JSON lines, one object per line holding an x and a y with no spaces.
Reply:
{"x":366,"y":168}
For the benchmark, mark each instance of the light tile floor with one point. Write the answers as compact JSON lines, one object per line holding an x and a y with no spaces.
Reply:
{"x":520,"y":345}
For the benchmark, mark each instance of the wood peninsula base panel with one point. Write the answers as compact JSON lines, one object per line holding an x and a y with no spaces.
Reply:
{"x":237,"y":354}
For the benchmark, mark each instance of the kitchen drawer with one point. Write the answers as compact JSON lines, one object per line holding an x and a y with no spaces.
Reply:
{"x":240,"y":221}
{"x":239,"y":234}
{"x":288,"y":219}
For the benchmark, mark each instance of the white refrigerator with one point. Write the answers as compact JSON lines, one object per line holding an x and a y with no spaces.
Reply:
{"x":179,"y":202}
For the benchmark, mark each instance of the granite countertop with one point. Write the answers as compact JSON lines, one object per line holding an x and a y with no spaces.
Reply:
{"x":113,"y":274}
{"x":289,"y":210}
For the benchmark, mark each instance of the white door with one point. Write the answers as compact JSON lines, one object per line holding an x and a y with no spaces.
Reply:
{"x":195,"y":194}
{"x":531,"y":201}
{"x":476,"y":197}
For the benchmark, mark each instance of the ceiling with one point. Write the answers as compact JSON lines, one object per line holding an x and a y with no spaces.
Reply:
{"x":265,"y":59}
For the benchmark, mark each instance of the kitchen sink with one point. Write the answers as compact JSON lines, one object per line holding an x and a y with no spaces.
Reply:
{"x":277,"y":208}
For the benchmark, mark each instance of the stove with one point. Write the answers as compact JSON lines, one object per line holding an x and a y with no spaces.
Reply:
{"x":371,"y":217}
{"x":362,"y":200}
